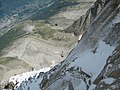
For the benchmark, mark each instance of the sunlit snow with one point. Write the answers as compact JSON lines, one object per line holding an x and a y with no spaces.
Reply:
{"x":93,"y":63}
{"x":25,"y":76}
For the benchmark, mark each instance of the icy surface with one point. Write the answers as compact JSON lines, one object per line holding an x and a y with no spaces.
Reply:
{"x":80,"y":37}
{"x":25,"y":76}
{"x":108,"y":80}
{"x":93,"y":63}
{"x":92,"y":87}
{"x":82,"y":86}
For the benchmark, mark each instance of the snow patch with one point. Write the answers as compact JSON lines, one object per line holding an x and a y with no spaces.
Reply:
{"x":117,"y":19}
{"x":82,"y":86}
{"x":92,"y":87}
{"x":93,"y":63}
{"x":80,"y":37}
{"x":108,"y":80}
{"x":25,"y":76}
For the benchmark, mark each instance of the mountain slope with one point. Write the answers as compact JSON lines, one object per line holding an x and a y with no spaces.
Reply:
{"x":10,"y":66}
{"x":87,"y":64}
{"x":36,"y":44}
{"x":95,"y":41}
{"x":35,"y":41}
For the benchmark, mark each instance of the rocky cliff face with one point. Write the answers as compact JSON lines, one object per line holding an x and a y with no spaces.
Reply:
{"x":94,"y":63}
{"x":82,"y":24}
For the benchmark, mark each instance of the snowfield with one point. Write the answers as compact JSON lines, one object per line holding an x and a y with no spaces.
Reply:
{"x":93,"y":63}
{"x":19,"y":80}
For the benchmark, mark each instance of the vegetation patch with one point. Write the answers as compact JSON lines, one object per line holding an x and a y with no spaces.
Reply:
{"x":44,"y":30}
{"x":6,"y":60}
{"x":15,"y":33}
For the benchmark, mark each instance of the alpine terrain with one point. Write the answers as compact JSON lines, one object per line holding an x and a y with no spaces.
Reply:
{"x":68,"y":45}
